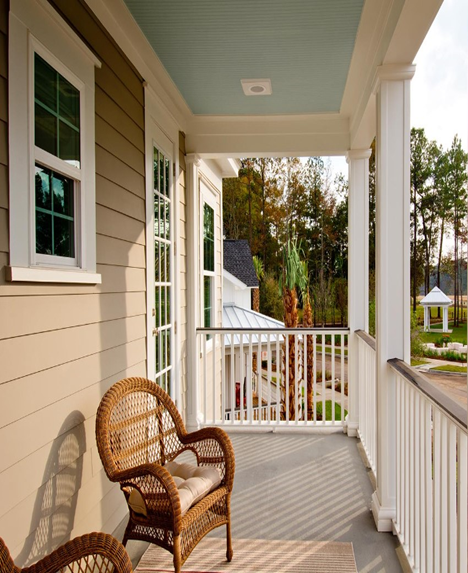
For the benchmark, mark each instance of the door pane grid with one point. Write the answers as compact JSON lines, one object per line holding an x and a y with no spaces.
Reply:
{"x":162,"y":239}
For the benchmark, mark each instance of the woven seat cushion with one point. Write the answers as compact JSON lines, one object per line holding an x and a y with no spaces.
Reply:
{"x":193,"y":483}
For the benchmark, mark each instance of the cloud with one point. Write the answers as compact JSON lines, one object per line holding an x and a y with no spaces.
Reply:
{"x":439,"y":89}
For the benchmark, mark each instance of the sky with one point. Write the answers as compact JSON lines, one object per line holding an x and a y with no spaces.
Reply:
{"x":439,"y":88}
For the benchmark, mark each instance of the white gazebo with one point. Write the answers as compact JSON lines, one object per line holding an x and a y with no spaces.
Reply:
{"x":436,"y":298}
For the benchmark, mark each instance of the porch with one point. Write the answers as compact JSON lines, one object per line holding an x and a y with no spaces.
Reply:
{"x":304,"y":487}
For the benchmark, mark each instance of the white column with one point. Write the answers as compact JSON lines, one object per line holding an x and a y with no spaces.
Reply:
{"x":445,"y":318}
{"x":392,"y":269}
{"x":358,"y":272}
{"x":427,"y":320}
{"x":192,"y":162}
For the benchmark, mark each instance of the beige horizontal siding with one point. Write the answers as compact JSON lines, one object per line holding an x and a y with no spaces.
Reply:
{"x":67,"y":343}
{"x":22,"y":315}
{"x":114,"y":224}
{"x":111,"y":168}
{"x":117,"y":198}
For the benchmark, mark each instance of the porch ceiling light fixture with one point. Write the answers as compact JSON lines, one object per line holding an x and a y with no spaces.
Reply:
{"x":256,"y":87}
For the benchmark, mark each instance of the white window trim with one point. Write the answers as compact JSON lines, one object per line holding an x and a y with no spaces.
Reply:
{"x":34,"y":26}
{"x":208,"y":196}
{"x":156,"y":138}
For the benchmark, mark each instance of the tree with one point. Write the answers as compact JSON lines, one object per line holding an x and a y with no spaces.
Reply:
{"x":292,"y":277}
{"x":457,"y":182}
{"x":307,"y":322}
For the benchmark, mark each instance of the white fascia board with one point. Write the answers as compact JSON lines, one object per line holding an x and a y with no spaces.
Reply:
{"x":268,"y":136}
{"x":377,"y":25}
{"x":234,"y":280}
{"x":389,"y":33}
{"x":121,"y":25}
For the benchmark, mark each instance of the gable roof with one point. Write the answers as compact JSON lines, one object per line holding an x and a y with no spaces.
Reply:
{"x":238,"y":261}
{"x":238,"y":318}
{"x":436,"y":298}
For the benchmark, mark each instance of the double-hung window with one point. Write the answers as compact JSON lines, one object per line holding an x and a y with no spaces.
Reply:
{"x":208,"y":264}
{"x":52,"y":165}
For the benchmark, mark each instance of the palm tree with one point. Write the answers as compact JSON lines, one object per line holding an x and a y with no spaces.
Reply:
{"x":292,"y":277}
{"x":260,"y":272}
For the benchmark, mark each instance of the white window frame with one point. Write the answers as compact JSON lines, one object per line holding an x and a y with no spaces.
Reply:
{"x":35,"y":27}
{"x":207,"y":195}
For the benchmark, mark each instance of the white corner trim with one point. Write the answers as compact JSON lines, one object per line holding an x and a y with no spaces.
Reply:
{"x":23,"y":274}
{"x":23,"y":9}
{"x":234,"y":280}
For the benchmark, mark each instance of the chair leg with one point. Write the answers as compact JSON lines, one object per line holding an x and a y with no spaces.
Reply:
{"x":177,"y":555}
{"x":229,"y":552}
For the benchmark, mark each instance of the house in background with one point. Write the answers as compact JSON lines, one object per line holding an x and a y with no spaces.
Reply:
{"x":243,"y":366}
{"x":118,"y":121}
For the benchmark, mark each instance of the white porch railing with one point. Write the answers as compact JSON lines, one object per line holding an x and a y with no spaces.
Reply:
{"x":431,"y":470}
{"x":267,"y":378}
{"x":367,"y":397}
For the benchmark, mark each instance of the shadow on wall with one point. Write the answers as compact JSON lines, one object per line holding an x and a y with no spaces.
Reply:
{"x":54,"y":511}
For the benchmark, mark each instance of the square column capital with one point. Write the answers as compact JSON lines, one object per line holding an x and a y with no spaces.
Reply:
{"x":392,"y":73}
{"x":354,"y":154}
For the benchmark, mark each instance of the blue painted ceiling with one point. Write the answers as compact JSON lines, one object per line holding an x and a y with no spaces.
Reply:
{"x":208,"y":46}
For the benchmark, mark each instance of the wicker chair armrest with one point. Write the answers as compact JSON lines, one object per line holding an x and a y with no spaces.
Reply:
{"x":111,"y":554}
{"x":213,"y":448}
{"x":157,"y":488}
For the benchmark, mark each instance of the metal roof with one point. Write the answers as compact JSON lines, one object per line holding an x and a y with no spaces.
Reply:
{"x":436,"y":298}
{"x":236,"y":317}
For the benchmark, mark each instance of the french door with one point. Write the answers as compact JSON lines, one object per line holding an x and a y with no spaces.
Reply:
{"x":162,"y":311}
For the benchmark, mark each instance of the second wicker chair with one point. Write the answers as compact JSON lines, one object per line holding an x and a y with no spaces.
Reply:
{"x":139,"y":433}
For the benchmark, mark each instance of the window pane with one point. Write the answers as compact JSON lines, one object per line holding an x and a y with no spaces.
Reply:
{"x":207,"y":301}
{"x":161,"y":174}
{"x":69,"y":102}
{"x":63,"y":195}
{"x":166,"y":190}
{"x":163,"y":306}
{"x":63,"y":237}
{"x":45,"y":83}
{"x":45,"y":130}
{"x":43,"y":233}
{"x":163,"y":263}
{"x":155,"y":169}
{"x":162,"y":232}
{"x":156,"y":261}
{"x":208,"y":238}
{"x":168,"y":264}
{"x":69,"y":144}
{"x":43,"y":197}
{"x":157,"y":303}
{"x":168,"y":217}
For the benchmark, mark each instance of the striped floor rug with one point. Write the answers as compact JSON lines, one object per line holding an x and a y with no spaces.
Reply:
{"x":257,"y":556}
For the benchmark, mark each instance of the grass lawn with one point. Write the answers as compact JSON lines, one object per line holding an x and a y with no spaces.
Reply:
{"x":418,"y":362}
{"x":458,"y":334}
{"x":451,"y":368}
{"x":328,"y":410}
{"x":328,"y":350}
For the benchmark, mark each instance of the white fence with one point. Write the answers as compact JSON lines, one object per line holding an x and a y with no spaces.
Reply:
{"x":431,"y":470}
{"x":273,"y":377}
{"x":367,"y":397}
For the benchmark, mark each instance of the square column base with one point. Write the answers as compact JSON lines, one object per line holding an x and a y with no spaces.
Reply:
{"x":383,"y":516}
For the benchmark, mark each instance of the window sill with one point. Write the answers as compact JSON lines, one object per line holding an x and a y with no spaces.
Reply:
{"x":42,"y":275}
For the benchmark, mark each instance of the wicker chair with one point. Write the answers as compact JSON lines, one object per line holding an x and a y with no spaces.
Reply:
{"x":91,"y":553}
{"x":138,"y":431}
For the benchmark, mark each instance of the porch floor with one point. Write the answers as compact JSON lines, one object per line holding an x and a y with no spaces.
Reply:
{"x":305,"y":487}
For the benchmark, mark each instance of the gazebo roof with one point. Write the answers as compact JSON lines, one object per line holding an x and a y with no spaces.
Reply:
{"x":436,"y":298}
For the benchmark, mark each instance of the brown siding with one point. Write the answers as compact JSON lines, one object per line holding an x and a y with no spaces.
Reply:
{"x":66,"y":344}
